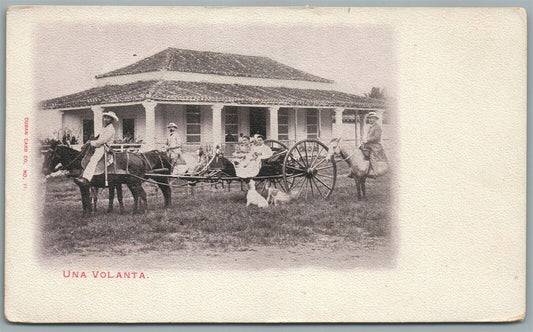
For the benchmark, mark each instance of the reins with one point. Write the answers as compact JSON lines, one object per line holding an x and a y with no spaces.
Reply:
{"x":82,"y":152}
{"x":348,"y":157}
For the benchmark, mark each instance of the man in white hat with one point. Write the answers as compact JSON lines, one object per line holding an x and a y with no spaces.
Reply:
{"x":373,"y":143}
{"x":107,"y":136}
{"x":174,"y":145}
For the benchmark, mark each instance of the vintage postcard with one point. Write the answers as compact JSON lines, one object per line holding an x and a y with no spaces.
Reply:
{"x":190,"y":164}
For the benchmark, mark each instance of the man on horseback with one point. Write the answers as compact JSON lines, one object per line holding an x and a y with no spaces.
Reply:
{"x":107,"y":136}
{"x":378,"y":159}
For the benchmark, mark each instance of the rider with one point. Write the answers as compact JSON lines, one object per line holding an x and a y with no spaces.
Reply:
{"x":373,"y":143}
{"x":107,"y":136}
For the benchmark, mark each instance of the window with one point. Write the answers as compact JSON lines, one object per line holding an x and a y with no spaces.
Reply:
{"x":128,"y":130}
{"x":231,"y":118}
{"x":283,"y":124}
{"x":312,"y":123}
{"x":88,"y":129}
{"x":193,"y":124}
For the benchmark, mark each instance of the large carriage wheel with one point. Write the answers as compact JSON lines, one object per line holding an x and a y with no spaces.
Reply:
{"x":276,"y":146}
{"x":306,"y":170}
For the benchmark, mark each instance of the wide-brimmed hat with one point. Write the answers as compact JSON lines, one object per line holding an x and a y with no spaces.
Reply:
{"x":110,"y":114}
{"x":172,"y":125}
{"x":372,"y":115}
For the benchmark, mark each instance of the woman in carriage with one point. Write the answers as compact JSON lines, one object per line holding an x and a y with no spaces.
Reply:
{"x":249,"y":163}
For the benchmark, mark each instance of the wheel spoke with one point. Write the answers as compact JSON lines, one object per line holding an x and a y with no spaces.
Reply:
{"x":306,"y":154}
{"x":296,"y":169}
{"x":296,"y":161}
{"x":298,"y":150}
{"x":302,"y":185}
{"x":317,"y":188}
{"x":325,"y":167}
{"x":311,"y":185}
{"x":325,"y":175}
{"x":325,"y":185}
{"x":296,"y":182}
{"x":321,"y":162}
{"x":317,"y":155}
{"x":304,"y":188}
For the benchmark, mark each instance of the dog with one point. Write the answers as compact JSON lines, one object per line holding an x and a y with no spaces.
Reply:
{"x":278,"y":196}
{"x":254,"y":198}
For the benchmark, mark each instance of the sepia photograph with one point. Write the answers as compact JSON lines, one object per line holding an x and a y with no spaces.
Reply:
{"x":264,"y":143}
{"x":265,"y":165}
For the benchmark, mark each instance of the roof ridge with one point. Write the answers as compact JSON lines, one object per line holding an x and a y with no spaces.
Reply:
{"x":168,"y":58}
{"x":217,"y":63}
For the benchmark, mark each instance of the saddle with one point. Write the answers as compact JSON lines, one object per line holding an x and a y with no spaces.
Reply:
{"x":366,"y":152}
{"x":111,"y":164}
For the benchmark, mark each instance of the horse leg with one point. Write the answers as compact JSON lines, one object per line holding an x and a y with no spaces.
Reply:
{"x":363,"y":186}
{"x":94,"y":194}
{"x":135,"y":195}
{"x":144,"y":200}
{"x":111,"y":190}
{"x":190,"y":188}
{"x":118,"y":187}
{"x":167,"y":191}
{"x":85,"y":200}
{"x":358,"y":187}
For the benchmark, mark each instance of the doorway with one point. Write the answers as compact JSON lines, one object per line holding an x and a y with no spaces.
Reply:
{"x":257,"y":121}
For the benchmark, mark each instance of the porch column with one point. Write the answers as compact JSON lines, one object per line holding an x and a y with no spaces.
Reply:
{"x":273,"y":122}
{"x":217,"y":124}
{"x":149,"y":111}
{"x":97,"y":118}
{"x":357,"y":138}
{"x":337,"y":132}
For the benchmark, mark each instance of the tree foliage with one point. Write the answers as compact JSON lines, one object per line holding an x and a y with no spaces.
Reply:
{"x":376,"y":93}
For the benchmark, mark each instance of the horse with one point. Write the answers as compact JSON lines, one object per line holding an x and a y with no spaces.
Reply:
{"x":359,"y":166}
{"x":158,"y":162}
{"x":53,"y":162}
{"x":135,"y":166}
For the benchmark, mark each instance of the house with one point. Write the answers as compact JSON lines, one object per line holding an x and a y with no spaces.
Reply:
{"x":212,"y":97}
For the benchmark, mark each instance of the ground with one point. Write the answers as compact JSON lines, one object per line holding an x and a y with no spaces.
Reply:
{"x":215,"y":228}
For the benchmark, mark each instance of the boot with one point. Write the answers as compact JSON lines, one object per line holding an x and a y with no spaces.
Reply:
{"x":81,"y":181}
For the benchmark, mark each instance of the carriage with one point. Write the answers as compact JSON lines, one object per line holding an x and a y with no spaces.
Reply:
{"x":302,"y":168}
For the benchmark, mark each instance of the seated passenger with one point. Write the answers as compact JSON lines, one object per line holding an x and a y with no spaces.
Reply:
{"x":260,"y":149}
{"x":243,"y":148}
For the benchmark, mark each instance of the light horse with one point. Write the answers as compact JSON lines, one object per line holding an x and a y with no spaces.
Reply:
{"x":136,"y":165}
{"x":54,"y":159}
{"x":355,"y":159}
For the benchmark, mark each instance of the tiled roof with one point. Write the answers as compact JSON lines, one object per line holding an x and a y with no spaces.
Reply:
{"x":202,"y":92}
{"x":173,"y":59}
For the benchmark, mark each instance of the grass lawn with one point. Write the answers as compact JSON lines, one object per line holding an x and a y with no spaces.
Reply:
{"x":216,"y":220}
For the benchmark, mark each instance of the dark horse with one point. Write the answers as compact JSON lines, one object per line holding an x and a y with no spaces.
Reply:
{"x":135,"y":166}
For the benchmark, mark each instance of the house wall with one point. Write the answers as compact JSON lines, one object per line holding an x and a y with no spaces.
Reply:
{"x":135,"y":112}
{"x":73,"y":121}
{"x":244,"y":120}
{"x":301,"y":124}
{"x":326,"y":125}
{"x":165,"y":114}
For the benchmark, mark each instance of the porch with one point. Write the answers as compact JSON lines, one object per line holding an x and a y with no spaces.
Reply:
{"x":143,"y":125}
